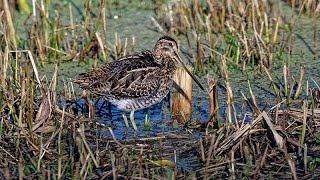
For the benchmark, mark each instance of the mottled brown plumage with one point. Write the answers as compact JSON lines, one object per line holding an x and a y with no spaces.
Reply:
{"x":138,"y":81}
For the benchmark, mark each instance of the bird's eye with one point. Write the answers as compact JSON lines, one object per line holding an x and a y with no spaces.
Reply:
{"x":170,"y":44}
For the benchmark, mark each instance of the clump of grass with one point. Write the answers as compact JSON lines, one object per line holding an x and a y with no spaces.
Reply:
{"x":54,"y":41}
{"x":273,"y":143}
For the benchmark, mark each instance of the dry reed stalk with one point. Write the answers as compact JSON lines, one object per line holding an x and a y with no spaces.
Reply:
{"x":53,"y":84}
{"x":91,"y":109}
{"x":56,"y":37}
{"x":212,"y":89}
{"x":140,"y":162}
{"x":46,"y":22}
{"x":133,"y":44}
{"x":170,"y":16}
{"x":3,"y":70}
{"x":199,"y":56}
{"x":10,"y":24}
{"x":232,"y":165}
{"x":32,"y":33}
{"x":285,"y":79}
{"x":253,"y":98}
{"x":23,"y":97}
{"x":211,"y":148}
{"x":83,"y":137}
{"x":114,"y":138}
{"x":84,"y":168}
{"x":71,"y":24}
{"x":155,"y":22}
{"x":91,"y":41}
{"x":66,"y":42}
{"x":246,"y":44}
{"x":40,"y":35}
{"x":101,"y":46}
{"x":305,"y":158}
{"x":87,"y":5}
{"x":59,"y":147}
{"x":230,"y":99}
{"x":275,"y":89}
{"x":113,"y":159}
{"x":213,"y":101}
{"x":299,"y":88}
{"x":65,"y":91}
{"x":277,"y":137}
{"x":304,"y":125}
{"x":275,"y":33}
{"x":209,"y":33}
{"x":181,"y":98}
{"x":315,"y":28}
{"x":116,"y":46}
{"x":42,"y":150}
{"x":27,"y":116}
{"x":251,"y":101}
{"x":104,"y":19}
{"x":203,"y":157}
{"x":20,"y":168}
{"x":256,"y":34}
{"x":124,"y":53}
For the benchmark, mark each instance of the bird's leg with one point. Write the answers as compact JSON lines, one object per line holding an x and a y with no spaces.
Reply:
{"x":146,"y":118}
{"x":125,"y":119}
{"x":132,"y":121}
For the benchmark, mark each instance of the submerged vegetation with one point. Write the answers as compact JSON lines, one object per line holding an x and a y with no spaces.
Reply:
{"x":41,"y":138}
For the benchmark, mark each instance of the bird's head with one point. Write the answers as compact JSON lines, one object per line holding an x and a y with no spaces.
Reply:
{"x":166,"y":47}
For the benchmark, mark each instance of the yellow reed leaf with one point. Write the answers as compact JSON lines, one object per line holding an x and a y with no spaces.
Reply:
{"x":162,"y":162}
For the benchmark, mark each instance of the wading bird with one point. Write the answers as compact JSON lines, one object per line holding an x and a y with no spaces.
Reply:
{"x":136,"y":81}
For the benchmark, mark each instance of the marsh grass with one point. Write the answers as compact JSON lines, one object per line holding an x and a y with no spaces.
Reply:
{"x":247,"y":32}
{"x":42,"y":139}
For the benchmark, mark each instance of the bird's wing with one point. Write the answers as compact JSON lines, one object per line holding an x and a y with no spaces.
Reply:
{"x":129,"y":77}
{"x":137,"y":83}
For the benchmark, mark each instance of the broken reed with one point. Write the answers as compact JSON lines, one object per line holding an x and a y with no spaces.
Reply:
{"x":249,"y":29}
{"x":214,"y":114}
{"x":181,"y":96}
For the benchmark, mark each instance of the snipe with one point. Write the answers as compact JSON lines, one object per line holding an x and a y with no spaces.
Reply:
{"x":137,"y":81}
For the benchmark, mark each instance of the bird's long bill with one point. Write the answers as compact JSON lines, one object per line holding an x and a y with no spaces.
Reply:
{"x":185,"y":67}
